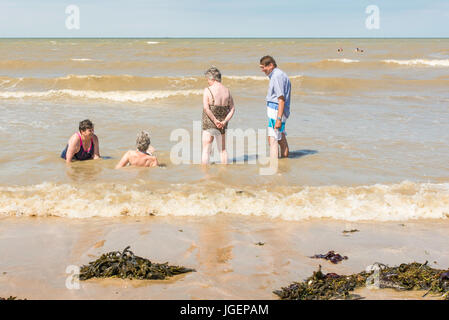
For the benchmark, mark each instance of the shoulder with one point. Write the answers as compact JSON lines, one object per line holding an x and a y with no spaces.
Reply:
{"x":95,"y":138}
{"x":206,"y":93}
{"x":279,"y":73}
{"x":74,"y":138}
{"x":126,"y":155}
{"x":280,"y":76}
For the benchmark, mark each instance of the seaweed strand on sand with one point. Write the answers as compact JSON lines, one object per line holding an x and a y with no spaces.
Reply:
{"x":126,"y":265}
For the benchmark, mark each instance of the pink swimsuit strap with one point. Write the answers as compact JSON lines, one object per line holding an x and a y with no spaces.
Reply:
{"x":81,"y":143}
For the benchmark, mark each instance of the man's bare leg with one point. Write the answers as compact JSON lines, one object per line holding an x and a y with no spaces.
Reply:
{"x":284,"y":146}
{"x":274,"y":147}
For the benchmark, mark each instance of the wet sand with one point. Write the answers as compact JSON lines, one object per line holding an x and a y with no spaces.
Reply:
{"x":229,"y":265}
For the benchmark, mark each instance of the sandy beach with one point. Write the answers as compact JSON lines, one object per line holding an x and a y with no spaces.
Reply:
{"x":223,"y":249}
{"x":368,"y":150}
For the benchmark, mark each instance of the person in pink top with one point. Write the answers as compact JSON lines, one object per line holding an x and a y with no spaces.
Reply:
{"x":82,"y":145}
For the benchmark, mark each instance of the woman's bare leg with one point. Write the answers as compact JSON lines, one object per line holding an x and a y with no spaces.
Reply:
{"x":207,"y":141}
{"x":222,"y":147}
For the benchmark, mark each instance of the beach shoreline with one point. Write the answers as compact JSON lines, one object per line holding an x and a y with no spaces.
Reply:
{"x":235,"y":257}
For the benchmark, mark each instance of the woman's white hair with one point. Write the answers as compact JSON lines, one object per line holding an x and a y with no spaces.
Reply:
{"x":213,"y":74}
{"x":143,"y":141}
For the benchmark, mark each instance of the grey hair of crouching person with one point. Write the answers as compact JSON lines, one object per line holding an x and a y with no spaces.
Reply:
{"x":213,"y":74}
{"x":143,"y":141}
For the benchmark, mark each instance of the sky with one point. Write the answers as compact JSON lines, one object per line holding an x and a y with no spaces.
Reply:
{"x":224,"y":18}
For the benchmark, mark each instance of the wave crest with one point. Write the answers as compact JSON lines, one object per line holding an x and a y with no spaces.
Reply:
{"x":422,"y":62}
{"x":403,"y":201}
{"x":117,"y":96}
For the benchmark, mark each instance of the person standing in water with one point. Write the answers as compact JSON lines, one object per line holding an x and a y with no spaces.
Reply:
{"x":142,"y":157}
{"x":218,"y":109}
{"x":278,"y":106}
{"x":82,"y":145}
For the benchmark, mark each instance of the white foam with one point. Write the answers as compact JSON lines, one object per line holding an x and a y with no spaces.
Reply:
{"x":2,"y":82}
{"x":118,"y":96}
{"x":378,"y":202}
{"x":82,"y":59}
{"x":152,"y":42}
{"x":343,"y":60}
{"x":414,"y":62}
{"x":257,"y":78}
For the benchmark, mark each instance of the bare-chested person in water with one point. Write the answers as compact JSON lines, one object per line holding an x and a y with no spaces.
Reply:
{"x":142,"y":157}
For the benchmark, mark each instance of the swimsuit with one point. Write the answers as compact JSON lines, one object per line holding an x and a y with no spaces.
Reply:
{"x":272,"y":111}
{"x":81,"y":154}
{"x":220,"y":112}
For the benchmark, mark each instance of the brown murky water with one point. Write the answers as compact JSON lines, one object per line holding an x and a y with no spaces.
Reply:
{"x":368,"y":131}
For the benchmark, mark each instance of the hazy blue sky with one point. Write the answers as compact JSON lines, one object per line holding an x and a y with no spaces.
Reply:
{"x":224,"y":18}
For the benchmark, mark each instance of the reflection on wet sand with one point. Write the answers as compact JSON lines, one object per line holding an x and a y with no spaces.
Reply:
{"x":214,"y":256}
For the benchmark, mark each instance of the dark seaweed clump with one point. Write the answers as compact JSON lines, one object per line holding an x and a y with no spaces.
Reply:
{"x":331,"y":256}
{"x":126,"y":265}
{"x":322,"y":286}
{"x":412,"y":276}
{"x":350,"y":231}
{"x":10,"y":298}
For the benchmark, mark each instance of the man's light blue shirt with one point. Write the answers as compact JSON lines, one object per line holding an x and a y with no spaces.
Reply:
{"x":279,"y":86}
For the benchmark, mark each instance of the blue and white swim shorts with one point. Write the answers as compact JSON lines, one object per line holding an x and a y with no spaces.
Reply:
{"x":272,"y":112}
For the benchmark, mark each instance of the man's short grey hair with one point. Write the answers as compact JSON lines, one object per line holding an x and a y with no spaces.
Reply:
{"x":213,"y":74}
{"x":143,"y":141}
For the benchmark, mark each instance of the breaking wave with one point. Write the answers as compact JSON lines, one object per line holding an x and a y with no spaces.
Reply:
{"x":118,"y":96}
{"x":130,"y":88}
{"x":379,"y":202}
{"x":420,"y":62}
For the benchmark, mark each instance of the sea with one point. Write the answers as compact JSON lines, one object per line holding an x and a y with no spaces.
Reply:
{"x":368,"y":131}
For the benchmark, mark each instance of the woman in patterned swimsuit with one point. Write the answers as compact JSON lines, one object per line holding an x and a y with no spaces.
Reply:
{"x":218,"y":109}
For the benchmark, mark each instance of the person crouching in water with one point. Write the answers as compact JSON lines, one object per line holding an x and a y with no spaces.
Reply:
{"x":82,"y":145}
{"x":142,"y":157}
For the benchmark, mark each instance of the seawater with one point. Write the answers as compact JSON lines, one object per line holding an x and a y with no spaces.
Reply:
{"x":368,"y":132}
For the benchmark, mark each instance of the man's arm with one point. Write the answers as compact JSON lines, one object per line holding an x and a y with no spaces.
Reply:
{"x":281,"y":106}
{"x":278,"y":87}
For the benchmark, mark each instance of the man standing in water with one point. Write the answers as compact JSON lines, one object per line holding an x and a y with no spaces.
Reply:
{"x":278,"y":106}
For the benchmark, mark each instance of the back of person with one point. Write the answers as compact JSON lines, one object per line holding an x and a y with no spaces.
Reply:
{"x":221,"y":95}
{"x":140,"y":159}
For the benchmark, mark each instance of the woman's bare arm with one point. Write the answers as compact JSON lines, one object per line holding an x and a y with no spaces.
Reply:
{"x":152,"y":162}
{"x":72,"y":148}
{"x":207,"y":108}
{"x":231,"y":112}
{"x":124,"y":161}
{"x":96,"y":147}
